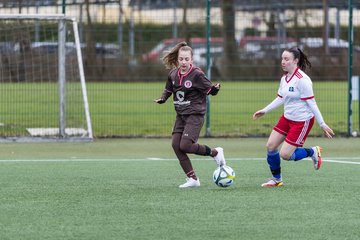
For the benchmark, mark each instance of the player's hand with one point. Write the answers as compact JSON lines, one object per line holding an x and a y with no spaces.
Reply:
{"x":215,"y":89}
{"x":258,"y":114}
{"x":328,"y":132}
{"x":159,"y":101}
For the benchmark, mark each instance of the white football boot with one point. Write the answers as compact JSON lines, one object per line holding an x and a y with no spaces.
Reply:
{"x":190,"y":182}
{"x":316,"y":157}
{"x":273,"y":182}
{"x":220,"y":158}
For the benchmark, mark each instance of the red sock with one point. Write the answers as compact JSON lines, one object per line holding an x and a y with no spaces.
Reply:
{"x":214,"y":152}
{"x":192,"y":175}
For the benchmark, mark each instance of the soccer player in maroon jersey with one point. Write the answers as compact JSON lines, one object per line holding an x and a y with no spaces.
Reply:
{"x":189,"y":87}
{"x":300,"y":109}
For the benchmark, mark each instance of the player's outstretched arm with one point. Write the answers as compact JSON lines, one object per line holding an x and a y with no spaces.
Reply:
{"x":258,"y":114}
{"x":274,"y":104}
{"x":328,"y":132}
{"x":160,"y":100}
{"x":214,"y":89}
{"x":166,"y":94}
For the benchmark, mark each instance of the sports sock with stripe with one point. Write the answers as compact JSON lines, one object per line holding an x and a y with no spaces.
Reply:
{"x":301,"y":153}
{"x":273,"y":159}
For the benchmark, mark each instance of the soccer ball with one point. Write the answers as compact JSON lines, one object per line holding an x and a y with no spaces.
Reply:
{"x":224,"y":176}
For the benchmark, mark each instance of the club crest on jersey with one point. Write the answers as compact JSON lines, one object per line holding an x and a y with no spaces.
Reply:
{"x":291,"y":89}
{"x":188,"y":84}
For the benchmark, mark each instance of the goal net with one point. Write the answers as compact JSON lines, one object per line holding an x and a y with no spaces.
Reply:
{"x":43,"y":93}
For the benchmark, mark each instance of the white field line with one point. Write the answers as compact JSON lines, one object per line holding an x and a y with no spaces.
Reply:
{"x":345,"y":160}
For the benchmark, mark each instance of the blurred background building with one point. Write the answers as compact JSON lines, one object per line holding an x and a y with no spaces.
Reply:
{"x":133,"y":34}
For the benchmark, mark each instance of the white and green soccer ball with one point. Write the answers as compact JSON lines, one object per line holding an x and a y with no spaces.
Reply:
{"x":224,"y":176}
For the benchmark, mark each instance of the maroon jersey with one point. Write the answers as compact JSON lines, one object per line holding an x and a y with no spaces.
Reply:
{"x":189,"y":90}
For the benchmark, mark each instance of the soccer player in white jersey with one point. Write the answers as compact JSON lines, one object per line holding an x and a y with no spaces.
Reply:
{"x":300,"y":109}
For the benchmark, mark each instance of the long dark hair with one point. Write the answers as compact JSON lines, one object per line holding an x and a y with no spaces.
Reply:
{"x":170,"y":58}
{"x":303,"y":59}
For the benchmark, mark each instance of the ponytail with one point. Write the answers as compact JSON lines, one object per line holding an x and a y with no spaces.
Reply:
{"x":303,"y":59}
{"x":170,"y":58}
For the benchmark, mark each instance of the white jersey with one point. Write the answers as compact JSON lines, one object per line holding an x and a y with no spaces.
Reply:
{"x":295,"y":91}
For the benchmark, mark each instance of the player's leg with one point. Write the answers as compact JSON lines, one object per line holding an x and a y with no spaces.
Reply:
{"x":293,"y":148}
{"x":301,"y":153}
{"x":276,"y":138}
{"x":190,"y":136}
{"x":183,"y":158}
{"x":273,"y":159}
{"x":184,"y":161}
{"x":291,"y":152}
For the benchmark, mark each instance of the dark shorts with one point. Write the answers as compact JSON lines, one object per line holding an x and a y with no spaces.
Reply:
{"x":189,"y":125}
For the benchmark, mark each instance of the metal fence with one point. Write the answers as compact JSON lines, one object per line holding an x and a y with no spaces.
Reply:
{"x":126,"y":39}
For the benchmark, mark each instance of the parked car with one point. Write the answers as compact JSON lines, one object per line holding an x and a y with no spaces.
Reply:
{"x":337,"y":49}
{"x":333,"y":43}
{"x":157,"y":52}
{"x":7,"y":47}
{"x":200,"y":55}
{"x":319,"y":42}
{"x":257,"y":47}
{"x":106,"y":50}
{"x":52,"y":47}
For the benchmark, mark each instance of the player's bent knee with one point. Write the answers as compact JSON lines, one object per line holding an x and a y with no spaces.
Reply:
{"x":185,"y":148}
{"x":285,"y":156}
{"x":271,"y":147}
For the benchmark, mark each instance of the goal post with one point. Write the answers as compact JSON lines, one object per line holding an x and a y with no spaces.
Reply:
{"x":43,"y":94}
